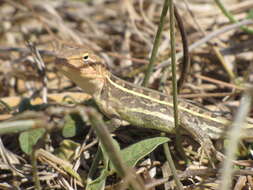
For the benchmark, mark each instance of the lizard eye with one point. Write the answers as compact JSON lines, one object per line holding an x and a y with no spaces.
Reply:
{"x":86,"y":57}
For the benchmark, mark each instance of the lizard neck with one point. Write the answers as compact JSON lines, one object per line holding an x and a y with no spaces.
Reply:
{"x":91,"y":84}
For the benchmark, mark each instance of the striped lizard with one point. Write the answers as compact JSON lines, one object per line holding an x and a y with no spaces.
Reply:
{"x":137,"y":105}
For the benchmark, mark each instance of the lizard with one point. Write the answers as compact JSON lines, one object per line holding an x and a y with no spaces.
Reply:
{"x":140,"y":106}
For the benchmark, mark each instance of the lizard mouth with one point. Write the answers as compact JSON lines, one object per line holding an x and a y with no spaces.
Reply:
{"x":87,"y":70}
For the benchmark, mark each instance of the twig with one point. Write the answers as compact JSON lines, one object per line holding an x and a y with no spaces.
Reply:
{"x":41,"y":69}
{"x":221,"y":83}
{"x":113,"y":153}
{"x":234,"y":137}
{"x":156,"y":43}
{"x":230,"y":16}
{"x":208,"y":38}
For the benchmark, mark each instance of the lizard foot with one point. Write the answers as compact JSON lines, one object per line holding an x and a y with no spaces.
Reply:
{"x":208,"y":150}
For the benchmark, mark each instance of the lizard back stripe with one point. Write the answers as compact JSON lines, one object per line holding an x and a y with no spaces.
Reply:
{"x":125,"y":87}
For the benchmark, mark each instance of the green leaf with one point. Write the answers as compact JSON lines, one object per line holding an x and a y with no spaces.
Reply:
{"x":67,"y":149}
{"x":111,"y":168}
{"x":69,"y":129}
{"x":72,"y":172}
{"x":98,"y":183}
{"x":131,"y":156}
{"x":28,"y":139}
{"x":137,"y":151}
{"x":73,"y":125}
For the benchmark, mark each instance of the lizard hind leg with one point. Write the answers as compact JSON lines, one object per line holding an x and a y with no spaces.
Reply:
{"x":204,"y":140}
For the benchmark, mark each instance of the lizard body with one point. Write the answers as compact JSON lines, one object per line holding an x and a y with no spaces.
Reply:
{"x":137,"y":105}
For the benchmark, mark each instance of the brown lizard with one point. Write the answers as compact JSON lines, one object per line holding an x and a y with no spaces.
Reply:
{"x":137,"y":105}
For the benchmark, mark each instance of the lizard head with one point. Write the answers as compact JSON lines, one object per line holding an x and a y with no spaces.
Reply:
{"x":84,"y":68}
